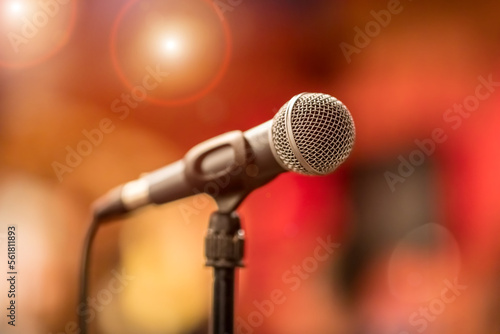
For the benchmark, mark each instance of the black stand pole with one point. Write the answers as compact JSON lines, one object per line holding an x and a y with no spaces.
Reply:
{"x":224,"y":251}
{"x":223,"y":307}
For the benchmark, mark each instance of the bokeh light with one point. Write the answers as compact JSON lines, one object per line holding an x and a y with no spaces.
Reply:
{"x":15,"y":8}
{"x":186,"y":41}
{"x":171,"y":46}
{"x":34,"y":31}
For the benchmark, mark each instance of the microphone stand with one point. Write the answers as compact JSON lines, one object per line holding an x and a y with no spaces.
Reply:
{"x":224,"y":252}
{"x":224,"y":241}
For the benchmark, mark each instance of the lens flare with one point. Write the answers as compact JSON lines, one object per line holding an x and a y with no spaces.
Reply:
{"x":33,"y":31}
{"x":16,"y":8}
{"x":171,"y":46}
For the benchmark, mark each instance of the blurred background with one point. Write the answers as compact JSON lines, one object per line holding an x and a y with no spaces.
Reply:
{"x":401,"y":239}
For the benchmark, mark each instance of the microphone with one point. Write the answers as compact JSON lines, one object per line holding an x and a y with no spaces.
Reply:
{"x":311,"y":134}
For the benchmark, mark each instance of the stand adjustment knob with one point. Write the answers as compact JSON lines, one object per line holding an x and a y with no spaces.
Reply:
{"x":224,"y":242}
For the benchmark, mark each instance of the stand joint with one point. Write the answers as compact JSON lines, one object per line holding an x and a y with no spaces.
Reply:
{"x":224,"y":242}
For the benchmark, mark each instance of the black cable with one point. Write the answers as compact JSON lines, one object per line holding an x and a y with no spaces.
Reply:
{"x":84,"y":273}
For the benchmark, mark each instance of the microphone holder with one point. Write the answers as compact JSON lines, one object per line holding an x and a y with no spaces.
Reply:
{"x":224,"y":241}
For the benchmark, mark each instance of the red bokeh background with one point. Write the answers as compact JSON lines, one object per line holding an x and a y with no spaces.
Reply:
{"x":238,"y":62}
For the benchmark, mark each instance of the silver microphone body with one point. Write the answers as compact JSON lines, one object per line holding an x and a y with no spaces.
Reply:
{"x":311,"y":134}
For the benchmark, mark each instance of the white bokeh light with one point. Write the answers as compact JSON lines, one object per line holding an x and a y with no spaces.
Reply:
{"x":171,"y":46}
{"x":15,"y":8}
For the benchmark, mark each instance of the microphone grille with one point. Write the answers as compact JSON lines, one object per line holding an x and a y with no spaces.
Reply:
{"x":312,"y":134}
